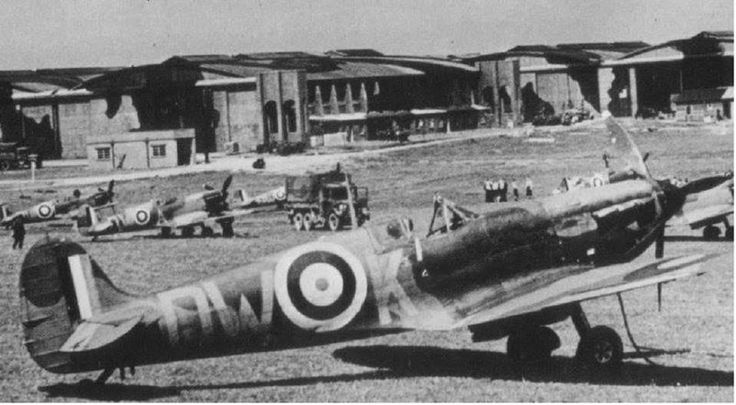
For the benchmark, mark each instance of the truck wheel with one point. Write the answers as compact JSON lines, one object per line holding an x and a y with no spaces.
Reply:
{"x":308,"y":224}
{"x":298,"y":221}
{"x":4,"y":165}
{"x":166,"y":232}
{"x":207,"y":231}
{"x":187,"y":231}
{"x":333,"y":221}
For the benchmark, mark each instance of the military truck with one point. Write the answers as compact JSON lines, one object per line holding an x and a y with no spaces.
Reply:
{"x":326,"y":200}
{"x":13,"y":156}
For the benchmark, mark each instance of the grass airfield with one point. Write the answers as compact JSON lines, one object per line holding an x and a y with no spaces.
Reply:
{"x":692,"y":335}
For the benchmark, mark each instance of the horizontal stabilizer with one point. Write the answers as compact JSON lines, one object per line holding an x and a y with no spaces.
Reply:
{"x":90,"y":336}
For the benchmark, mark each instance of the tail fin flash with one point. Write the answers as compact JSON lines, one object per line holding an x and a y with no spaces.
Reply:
{"x":623,"y":149}
{"x":243,"y":196}
{"x":60,"y":287}
{"x":87,"y":218}
{"x":4,"y":212}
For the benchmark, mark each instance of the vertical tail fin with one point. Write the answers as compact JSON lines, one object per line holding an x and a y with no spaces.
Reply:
{"x":60,"y":287}
{"x":87,"y":217}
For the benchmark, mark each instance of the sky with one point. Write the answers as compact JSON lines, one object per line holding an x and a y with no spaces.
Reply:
{"x":37,"y":34}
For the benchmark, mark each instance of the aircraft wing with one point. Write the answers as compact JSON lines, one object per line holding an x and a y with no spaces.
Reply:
{"x":705,"y":216}
{"x":599,"y":282}
{"x":198,"y":218}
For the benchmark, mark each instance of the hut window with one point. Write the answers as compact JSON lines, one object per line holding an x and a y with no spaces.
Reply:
{"x":159,"y":150}
{"x":103,"y":153}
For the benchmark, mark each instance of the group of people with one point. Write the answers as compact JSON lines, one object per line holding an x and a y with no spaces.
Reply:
{"x":498,"y":191}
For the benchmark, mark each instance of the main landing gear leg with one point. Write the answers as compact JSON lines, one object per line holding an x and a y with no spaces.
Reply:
{"x":599,"y":346}
{"x":104,"y":376}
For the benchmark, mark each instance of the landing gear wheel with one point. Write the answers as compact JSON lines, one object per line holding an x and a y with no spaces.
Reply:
{"x":227,"y":229}
{"x":166,"y":232}
{"x":333,"y":221}
{"x":298,"y":221}
{"x":207,"y":231}
{"x":187,"y":232}
{"x":729,"y":233}
{"x":532,"y":345}
{"x":308,"y":224}
{"x":711,"y":232}
{"x":601,"y":348}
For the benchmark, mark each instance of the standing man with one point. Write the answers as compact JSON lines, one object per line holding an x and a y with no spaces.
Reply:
{"x":19,"y":232}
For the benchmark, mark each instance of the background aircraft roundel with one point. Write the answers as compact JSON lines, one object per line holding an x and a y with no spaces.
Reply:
{"x":45,"y":210}
{"x":320,"y":286}
{"x":142,"y":216}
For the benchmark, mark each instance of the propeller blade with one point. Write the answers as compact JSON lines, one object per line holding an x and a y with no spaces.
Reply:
{"x":227,"y":183}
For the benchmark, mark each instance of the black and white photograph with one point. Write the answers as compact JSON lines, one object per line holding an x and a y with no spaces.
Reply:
{"x":367,"y":201}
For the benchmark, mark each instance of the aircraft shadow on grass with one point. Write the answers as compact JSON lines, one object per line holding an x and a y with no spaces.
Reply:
{"x":416,"y":361}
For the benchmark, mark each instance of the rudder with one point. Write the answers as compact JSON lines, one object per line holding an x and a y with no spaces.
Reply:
{"x":60,"y":287}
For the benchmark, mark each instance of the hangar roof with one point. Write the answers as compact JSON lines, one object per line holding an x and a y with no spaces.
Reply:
{"x":704,"y":44}
{"x":562,"y":54}
{"x":50,"y":80}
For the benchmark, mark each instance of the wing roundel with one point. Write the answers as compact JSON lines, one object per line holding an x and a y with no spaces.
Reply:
{"x":320,"y":286}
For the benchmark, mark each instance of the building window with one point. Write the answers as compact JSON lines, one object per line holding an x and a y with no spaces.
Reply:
{"x":159,"y":150}
{"x":103,"y":153}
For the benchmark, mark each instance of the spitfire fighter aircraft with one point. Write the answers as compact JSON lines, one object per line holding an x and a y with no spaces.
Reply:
{"x":53,"y":209}
{"x":507,"y":272}
{"x":275,"y":197}
{"x":203,"y":210}
{"x":709,"y":207}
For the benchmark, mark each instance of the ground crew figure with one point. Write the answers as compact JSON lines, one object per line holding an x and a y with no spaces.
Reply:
{"x":528,"y":186}
{"x":503,"y":190}
{"x":487,"y":185}
{"x":496,"y":191}
{"x":19,"y":232}
{"x":515,"y":190}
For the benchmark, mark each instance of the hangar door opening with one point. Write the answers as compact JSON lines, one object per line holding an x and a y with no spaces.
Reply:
{"x":655,"y":84}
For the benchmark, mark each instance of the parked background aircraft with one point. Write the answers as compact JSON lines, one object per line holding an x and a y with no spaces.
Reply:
{"x":53,"y":209}
{"x":204,"y":210}
{"x":709,"y":207}
{"x":507,"y":272}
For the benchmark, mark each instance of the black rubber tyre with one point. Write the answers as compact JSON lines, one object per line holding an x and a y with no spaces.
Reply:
{"x":227,"y":229}
{"x":711,"y":232}
{"x":166,"y":232}
{"x":187,"y":232}
{"x":532,"y":345}
{"x":207,"y":231}
{"x":333,"y":221}
{"x":298,"y":221}
{"x":729,"y":233}
{"x":601,"y":348}
{"x":308,"y":224}
{"x":4,"y":165}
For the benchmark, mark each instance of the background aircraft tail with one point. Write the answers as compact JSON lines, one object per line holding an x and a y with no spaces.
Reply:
{"x":60,"y":287}
{"x":87,"y":217}
{"x":4,"y":212}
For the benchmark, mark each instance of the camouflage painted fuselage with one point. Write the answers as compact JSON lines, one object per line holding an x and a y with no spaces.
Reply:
{"x":376,"y":279}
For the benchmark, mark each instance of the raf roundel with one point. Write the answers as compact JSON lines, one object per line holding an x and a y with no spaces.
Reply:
{"x":44,"y":211}
{"x":141,"y":217}
{"x":320,"y":286}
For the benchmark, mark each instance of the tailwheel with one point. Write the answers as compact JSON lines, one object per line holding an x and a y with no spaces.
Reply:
{"x":298,"y":221}
{"x":532,"y":345}
{"x":207,"y":231}
{"x":711,"y":232}
{"x":601,"y":347}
